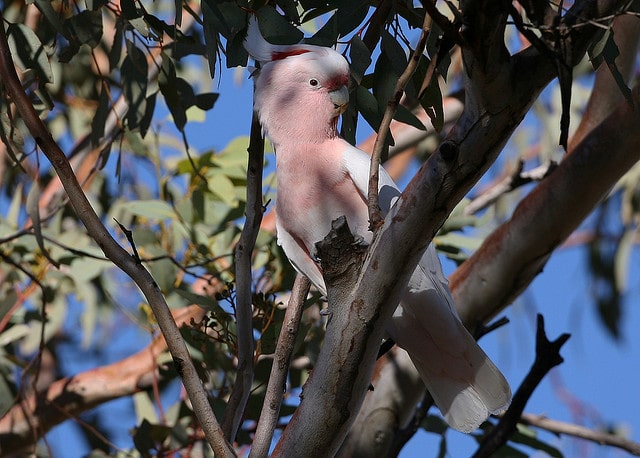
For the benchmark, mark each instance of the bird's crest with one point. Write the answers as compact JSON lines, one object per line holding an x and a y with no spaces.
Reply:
{"x":263,"y":51}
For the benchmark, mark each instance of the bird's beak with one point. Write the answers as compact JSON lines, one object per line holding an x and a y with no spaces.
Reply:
{"x":340,"y":99}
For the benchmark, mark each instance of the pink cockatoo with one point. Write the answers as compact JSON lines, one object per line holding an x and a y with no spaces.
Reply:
{"x":300,"y":91}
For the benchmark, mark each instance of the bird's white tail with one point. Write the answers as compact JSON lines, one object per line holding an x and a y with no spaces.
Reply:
{"x":465,"y":384}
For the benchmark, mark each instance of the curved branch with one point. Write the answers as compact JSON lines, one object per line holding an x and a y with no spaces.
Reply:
{"x":114,"y":251}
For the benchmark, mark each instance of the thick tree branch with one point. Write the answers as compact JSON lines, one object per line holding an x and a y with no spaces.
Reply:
{"x":114,"y":251}
{"x":280,"y":368}
{"x":547,"y":357}
{"x":574,"y":188}
{"x":244,"y":300}
{"x":66,"y":398}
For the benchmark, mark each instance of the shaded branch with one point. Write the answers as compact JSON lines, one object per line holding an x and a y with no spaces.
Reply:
{"x":114,"y":251}
{"x":547,"y":357}
{"x":244,"y":300}
{"x":278,"y":377}
{"x":508,"y":184}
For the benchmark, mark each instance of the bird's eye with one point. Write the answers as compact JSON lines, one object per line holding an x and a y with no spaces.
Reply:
{"x":313,"y":82}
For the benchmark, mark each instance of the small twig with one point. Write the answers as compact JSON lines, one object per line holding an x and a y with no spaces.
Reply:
{"x":241,"y":390}
{"x":569,"y":429}
{"x":278,"y":377}
{"x":547,"y":357}
{"x":129,"y":235}
{"x":508,"y":184}
{"x":375,"y":216}
{"x":482,"y":330}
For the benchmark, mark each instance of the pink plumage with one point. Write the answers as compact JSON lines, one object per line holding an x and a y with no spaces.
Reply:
{"x":300,"y":91}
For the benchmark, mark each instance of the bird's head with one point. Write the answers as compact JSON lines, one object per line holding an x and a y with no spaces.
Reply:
{"x":300,"y":90}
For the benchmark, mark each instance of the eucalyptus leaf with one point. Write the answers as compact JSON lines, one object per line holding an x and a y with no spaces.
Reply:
{"x":28,"y":52}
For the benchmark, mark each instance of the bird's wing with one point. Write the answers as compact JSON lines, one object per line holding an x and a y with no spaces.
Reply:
{"x":300,"y":258}
{"x":356,"y":162}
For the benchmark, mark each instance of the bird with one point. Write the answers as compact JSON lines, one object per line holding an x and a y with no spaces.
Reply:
{"x":300,"y":91}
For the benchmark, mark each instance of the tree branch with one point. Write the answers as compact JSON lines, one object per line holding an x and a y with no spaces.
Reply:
{"x":244,"y":301}
{"x":280,"y":368}
{"x":574,"y":190}
{"x":569,"y":429}
{"x":547,"y":357}
{"x":114,"y":251}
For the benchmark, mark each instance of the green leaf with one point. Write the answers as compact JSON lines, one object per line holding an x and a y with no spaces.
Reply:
{"x":152,"y":209}
{"x":222,"y":187}
{"x":360,"y":58}
{"x":28,"y":52}
{"x":86,"y":27}
{"x":100,"y":118}
{"x":168,"y":83}
{"x":52,"y":16}
{"x":460,"y":241}
{"x":134,"y":79}
{"x":203,"y":301}
{"x":116,"y":50}
{"x":147,"y":437}
{"x":350,"y":15}
{"x":276,"y":29}
{"x":13,"y":214}
{"x":14,"y":333}
{"x":85,"y":269}
{"x":211,"y":41}
{"x":33,"y":200}
{"x":431,"y":97}
{"x":622,"y":258}
{"x":129,"y":9}
{"x":86,"y":293}
{"x":405,"y":116}
{"x":395,"y":53}
{"x":147,"y":117}
{"x":206,"y":101}
{"x":327,"y":35}
{"x":434,"y":424}
{"x":144,"y":408}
